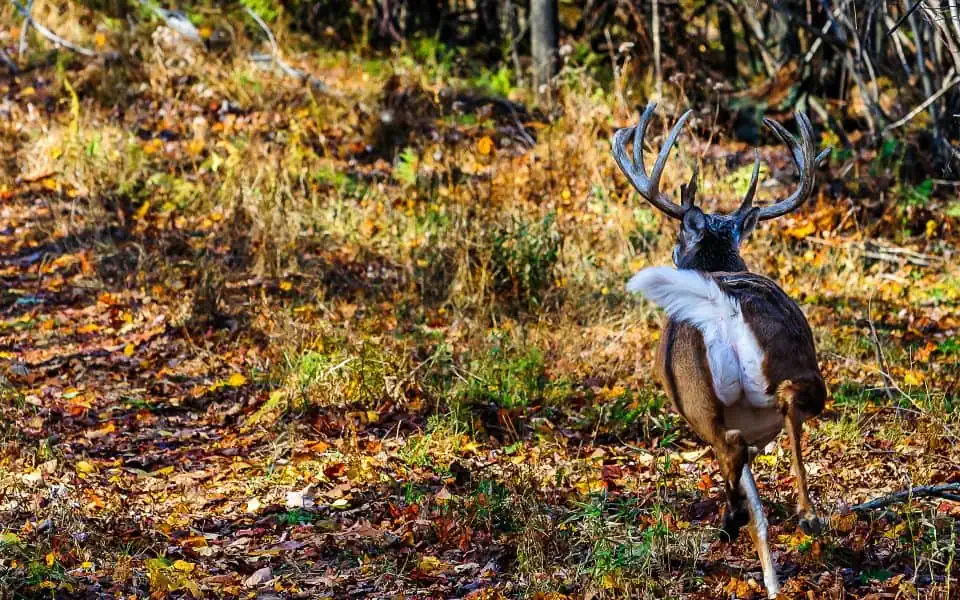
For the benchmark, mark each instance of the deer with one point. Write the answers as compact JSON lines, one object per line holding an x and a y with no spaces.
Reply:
{"x":736,"y":354}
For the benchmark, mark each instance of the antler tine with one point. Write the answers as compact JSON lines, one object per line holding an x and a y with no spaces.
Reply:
{"x":747,"y":203}
{"x":688,"y":192}
{"x":665,"y":150}
{"x":804,"y":159}
{"x":640,"y":132}
{"x":648,"y":187}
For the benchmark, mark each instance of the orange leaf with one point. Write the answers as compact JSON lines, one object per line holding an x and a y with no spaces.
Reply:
{"x":485,"y":145}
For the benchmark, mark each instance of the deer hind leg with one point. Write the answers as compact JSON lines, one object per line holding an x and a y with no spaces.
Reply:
{"x":732,"y":455}
{"x":758,"y":531}
{"x":791,"y":399}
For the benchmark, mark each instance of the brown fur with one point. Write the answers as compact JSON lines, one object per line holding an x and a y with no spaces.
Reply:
{"x":790,"y":367}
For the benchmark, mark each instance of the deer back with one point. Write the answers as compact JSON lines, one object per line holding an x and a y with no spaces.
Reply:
{"x":777,"y":336}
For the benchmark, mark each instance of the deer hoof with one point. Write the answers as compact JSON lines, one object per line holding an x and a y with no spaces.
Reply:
{"x":811,"y":524}
{"x":733,"y":520}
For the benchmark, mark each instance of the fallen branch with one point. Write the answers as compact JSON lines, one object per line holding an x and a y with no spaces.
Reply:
{"x":944,"y":491}
{"x":275,"y":59}
{"x":176,"y":21}
{"x":56,"y":39}
{"x":877,"y":251}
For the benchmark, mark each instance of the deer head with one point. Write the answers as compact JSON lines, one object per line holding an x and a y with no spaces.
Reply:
{"x":711,"y":241}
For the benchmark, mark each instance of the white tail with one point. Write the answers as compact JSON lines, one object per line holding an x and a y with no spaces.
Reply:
{"x":735,"y":357}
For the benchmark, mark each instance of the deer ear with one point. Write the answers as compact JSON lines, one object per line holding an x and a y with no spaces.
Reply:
{"x":746,"y":223}
{"x":694,"y":224}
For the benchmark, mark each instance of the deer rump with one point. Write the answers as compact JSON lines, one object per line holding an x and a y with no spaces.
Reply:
{"x":719,"y":306}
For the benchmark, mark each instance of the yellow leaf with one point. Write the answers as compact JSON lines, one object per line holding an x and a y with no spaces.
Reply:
{"x":51,"y":559}
{"x":286,"y":286}
{"x":195,"y":147}
{"x":182,"y":565}
{"x":129,"y":349}
{"x":153,"y":146}
{"x":236,"y":380}
{"x":373,"y":416}
{"x":88,"y":328}
{"x":206,"y":32}
{"x":100,"y":40}
{"x":163,"y":471}
{"x":801,"y":231}
{"x":85,"y":467}
{"x":485,"y":145}
{"x":429,"y":564}
{"x":913,"y":378}
{"x":931,"y":228}
{"x":143,"y":210}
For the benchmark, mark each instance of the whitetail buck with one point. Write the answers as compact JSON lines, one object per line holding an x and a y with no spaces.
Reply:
{"x":736,"y":355}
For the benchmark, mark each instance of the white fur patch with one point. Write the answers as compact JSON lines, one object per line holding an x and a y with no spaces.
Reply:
{"x":734,"y":356}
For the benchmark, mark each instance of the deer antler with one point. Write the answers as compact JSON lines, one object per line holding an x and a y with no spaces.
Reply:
{"x":649,"y":187}
{"x":747,"y":203}
{"x":805,"y":160}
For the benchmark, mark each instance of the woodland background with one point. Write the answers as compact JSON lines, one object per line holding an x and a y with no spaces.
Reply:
{"x":326,"y":299}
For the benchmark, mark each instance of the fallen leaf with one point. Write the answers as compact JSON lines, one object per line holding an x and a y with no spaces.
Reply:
{"x":259,"y":577}
{"x":182,"y":565}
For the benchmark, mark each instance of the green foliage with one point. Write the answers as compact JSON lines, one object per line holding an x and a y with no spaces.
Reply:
{"x":619,"y":537}
{"x":524,"y":257}
{"x":919,"y":195}
{"x":405,"y":170}
{"x":438,"y":446}
{"x":433,"y":54}
{"x":497,"y":82}
{"x":642,"y":413}
{"x":645,"y":231}
{"x":509,"y":376}
{"x":949,"y":347}
{"x":296,"y":517}
{"x":491,"y":502}
{"x":265,"y":9}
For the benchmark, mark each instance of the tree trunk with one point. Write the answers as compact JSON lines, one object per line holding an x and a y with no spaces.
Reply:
{"x":488,"y":21}
{"x":544,"y":26}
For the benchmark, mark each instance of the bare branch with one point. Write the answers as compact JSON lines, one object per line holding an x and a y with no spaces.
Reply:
{"x":56,"y":39}
{"x":26,"y":28}
{"x":947,"y":85}
{"x":275,"y":59}
{"x":945,"y":491}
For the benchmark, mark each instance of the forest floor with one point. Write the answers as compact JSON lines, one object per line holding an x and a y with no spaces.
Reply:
{"x":372,"y":341}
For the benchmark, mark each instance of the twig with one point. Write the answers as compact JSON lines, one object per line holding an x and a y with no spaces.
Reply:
{"x":905,"y":16}
{"x":924,"y":491}
{"x":949,"y":83}
{"x":877,"y":348}
{"x":26,"y":28}
{"x":56,"y":39}
{"x":315,"y":83}
{"x":877,"y":252}
{"x":5,"y":59}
